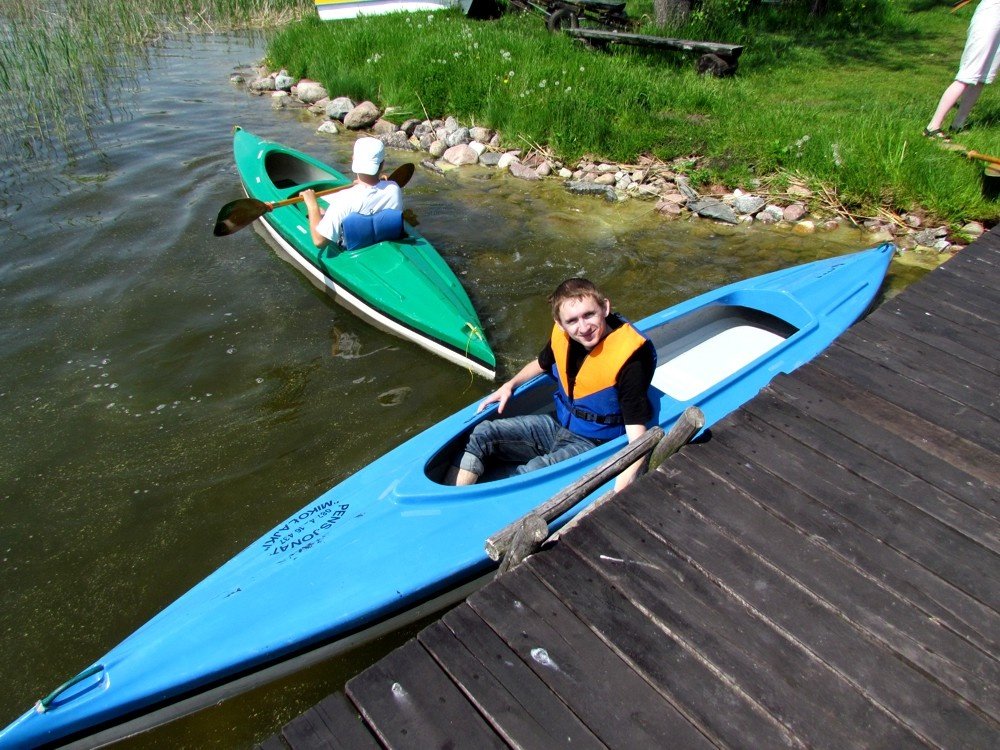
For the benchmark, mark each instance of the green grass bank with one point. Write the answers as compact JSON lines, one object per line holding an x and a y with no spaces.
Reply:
{"x":839,"y":106}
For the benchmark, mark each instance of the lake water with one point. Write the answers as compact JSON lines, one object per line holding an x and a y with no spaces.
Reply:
{"x":166,"y":396}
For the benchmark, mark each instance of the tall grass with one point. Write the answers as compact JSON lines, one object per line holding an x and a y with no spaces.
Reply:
{"x":842,"y":110}
{"x":59,"y":59}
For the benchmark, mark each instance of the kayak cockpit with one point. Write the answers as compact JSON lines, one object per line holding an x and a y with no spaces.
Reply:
{"x":696,"y":353}
{"x":287,"y":171}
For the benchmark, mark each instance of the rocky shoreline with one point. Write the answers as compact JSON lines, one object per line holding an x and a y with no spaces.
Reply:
{"x":450,"y":145}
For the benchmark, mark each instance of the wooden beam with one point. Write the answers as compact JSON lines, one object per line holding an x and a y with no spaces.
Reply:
{"x":532,"y":529}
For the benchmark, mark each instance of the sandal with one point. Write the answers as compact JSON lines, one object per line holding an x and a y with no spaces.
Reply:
{"x":938,"y":133}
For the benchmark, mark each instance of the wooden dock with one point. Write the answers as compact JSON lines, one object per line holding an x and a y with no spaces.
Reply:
{"x":822,"y":573}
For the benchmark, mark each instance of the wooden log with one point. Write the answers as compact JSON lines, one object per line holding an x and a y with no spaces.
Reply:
{"x":531,"y":531}
{"x":652,"y":441}
{"x":685,"y":428}
{"x":498,"y":544}
{"x":729,"y":52}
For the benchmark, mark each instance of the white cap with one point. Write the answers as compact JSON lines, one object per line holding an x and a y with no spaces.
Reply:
{"x":368,"y":156}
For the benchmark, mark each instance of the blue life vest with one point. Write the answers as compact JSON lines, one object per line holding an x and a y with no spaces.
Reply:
{"x":361,"y":230}
{"x":594,"y":411}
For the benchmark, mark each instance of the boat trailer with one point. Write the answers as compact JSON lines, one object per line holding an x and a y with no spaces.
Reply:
{"x":599,"y":23}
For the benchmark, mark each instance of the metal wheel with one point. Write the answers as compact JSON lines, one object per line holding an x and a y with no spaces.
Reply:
{"x":561,"y":18}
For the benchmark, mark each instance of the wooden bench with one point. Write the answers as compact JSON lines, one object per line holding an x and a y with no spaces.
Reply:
{"x":718,"y":59}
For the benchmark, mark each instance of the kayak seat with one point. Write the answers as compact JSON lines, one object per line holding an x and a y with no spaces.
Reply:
{"x":363,"y":230}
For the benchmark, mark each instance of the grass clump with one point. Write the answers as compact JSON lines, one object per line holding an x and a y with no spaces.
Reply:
{"x":840,"y":106}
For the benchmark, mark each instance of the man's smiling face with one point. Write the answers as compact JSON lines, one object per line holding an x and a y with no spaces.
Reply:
{"x":585,"y":320}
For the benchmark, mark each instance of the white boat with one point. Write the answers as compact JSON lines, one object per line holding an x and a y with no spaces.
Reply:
{"x":336,"y":10}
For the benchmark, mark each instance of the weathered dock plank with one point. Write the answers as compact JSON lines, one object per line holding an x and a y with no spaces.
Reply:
{"x":823,"y":572}
{"x":519,"y":705}
{"x":410,"y":703}
{"x":868,"y":686}
{"x":615,"y":703}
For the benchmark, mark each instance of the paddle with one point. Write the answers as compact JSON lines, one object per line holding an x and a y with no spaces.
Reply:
{"x":240,"y":213}
{"x":995,"y":160}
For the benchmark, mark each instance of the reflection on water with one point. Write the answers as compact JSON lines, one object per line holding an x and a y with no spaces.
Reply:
{"x":167,"y":396}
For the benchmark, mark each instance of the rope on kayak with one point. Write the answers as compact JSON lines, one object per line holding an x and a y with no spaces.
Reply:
{"x":474,"y":330}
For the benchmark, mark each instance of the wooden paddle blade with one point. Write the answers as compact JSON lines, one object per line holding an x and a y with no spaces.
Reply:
{"x":402,"y":174}
{"x":237,"y":214}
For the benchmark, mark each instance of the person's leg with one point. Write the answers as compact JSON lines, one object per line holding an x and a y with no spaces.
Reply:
{"x":965,"y":105}
{"x":513,"y":439}
{"x":565,"y":445}
{"x":948,"y":99}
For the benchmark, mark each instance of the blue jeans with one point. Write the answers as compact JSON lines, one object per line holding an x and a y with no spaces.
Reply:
{"x":530,"y":442}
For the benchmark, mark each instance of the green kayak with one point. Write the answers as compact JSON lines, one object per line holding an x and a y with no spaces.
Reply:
{"x":401,"y":286}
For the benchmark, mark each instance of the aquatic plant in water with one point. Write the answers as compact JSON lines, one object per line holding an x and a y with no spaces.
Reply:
{"x":63,"y":63}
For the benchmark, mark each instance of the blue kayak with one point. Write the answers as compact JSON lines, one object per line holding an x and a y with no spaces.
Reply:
{"x":391,"y":543}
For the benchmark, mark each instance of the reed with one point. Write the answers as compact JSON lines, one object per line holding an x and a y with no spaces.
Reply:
{"x":59,"y":59}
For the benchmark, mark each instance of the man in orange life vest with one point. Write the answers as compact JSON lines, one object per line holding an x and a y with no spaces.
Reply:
{"x":602,"y":367}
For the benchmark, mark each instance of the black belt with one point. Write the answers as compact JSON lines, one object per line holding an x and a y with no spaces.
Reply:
{"x":609,"y":419}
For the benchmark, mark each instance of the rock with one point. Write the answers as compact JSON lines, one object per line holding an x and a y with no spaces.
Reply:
{"x":339,"y":107}
{"x":605,"y":179}
{"x":544,"y":169}
{"x":410,"y":126}
{"x":489,"y":158}
{"x":507,"y":159}
{"x":460,"y":155}
{"x":494,"y":141}
{"x":433,"y":166}
{"x":426,"y":140}
{"x":623,"y":182}
{"x":606,"y":168}
{"x":279,"y":99}
{"x":668,"y":208}
{"x":684,"y":186}
{"x":310,"y":92}
{"x":319,"y":108}
{"x":927,"y":237}
{"x":423,"y":129}
{"x":523,"y":171}
{"x":745,"y":219}
{"x":328,"y":126}
{"x":804,"y":227}
{"x":747,"y":205}
{"x":283,"y":81}
{"x":777,"y":213}
{"x":481,"y":135}
{"x":437,"y":149}
{"x":646,"y":191}
{"x":396,"y":139}
{"x":972,"y":230}
{"x":941,"y":245}
{"x":793,"y":213}
{"x":591,"y":188}
{"x":237,"y":78}
{"x":451,"y":124}
{"x":712,"y":208}
{"x":383,"y":127}
{"x":676,"y":198}
{"x":913,"y":221}
{"x":477,"y":146}
{"x":265,"y":83}
{"x":457,"y":136}
{"x":565,"y":173}
{"x":362,"y":116}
